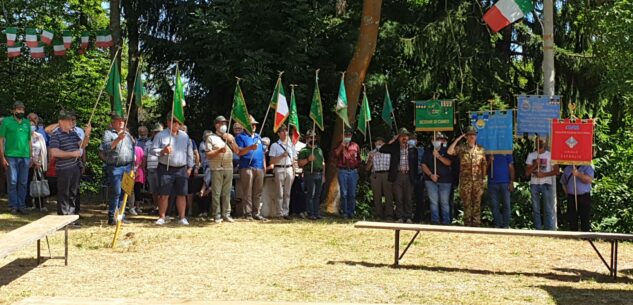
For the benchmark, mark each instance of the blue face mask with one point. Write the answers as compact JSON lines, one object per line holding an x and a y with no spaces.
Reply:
{"x":33,"y":128}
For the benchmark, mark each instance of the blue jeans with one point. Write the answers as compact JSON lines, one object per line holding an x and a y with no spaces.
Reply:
{"x":544,"y":191}
{"x":496,"y":192}
{"x":347,"y":180}
{"x":439,"y":193}
{"x":313,"y":183}
{"x":18,"y":177}
{"x":115,"y":175}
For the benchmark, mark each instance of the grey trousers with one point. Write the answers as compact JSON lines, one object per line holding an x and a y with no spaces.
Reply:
{"x":283,"y":184}
{"x":403,"y":189}
{"x":380,"y":186}
{"x":252,"y":187}
{"x":221,"y":181}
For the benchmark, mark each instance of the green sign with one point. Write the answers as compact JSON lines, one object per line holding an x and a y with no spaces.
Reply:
{"x":434,"y":115}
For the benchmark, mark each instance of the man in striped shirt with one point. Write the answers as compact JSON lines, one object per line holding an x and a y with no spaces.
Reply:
{"x":66,"y":147}
{"x":378,"y":165}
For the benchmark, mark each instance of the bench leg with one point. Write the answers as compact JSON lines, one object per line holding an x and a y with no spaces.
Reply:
{"x":66,"y":246}
{"x":397,"y":249}
{"x":38,"y":252}
{"x":613,"y":263}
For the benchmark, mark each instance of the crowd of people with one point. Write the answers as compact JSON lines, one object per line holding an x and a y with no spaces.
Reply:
{"x":178,"y":175}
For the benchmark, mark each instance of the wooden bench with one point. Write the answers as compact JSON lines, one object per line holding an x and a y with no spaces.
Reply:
{"x":613,"y":238}
{"x":35,"y":231}
{"x":95,"y":301}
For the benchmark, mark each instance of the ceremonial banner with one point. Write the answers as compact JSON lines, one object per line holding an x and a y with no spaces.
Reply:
{"x":494,"y":130}
{"x":572,"y":142}
{"x":535,"y":112}
{"x":434,"y":115}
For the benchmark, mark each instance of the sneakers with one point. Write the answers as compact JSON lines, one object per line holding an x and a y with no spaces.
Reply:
{"x":229,"y":219}
{"x":248,"y":218}
{"x":287,"y":217}
{"x":160,"y":221}
{"x":183,"y":222}
{"x":259,"y":217}
{"x":132,"y":211}
{"x":218,"y":220}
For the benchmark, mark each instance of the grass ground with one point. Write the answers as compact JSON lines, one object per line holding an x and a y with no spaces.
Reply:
{"x":310,"y":261}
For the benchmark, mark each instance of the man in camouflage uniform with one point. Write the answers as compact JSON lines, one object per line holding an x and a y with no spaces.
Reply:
{"x":471,"y":175}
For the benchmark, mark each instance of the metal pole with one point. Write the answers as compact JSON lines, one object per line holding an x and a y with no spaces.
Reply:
{"x":549,"y":81}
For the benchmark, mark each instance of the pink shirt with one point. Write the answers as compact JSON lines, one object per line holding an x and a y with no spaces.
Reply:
{"x":138,"y":160}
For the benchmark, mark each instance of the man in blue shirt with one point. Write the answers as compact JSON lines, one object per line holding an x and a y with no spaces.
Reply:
{"x":251,"y":167}
{"x":578,"y":195}
{"x":500,"y":184}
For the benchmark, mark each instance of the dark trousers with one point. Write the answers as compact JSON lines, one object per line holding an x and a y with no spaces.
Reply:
{"x":403,"y":190}
{"x":68,"y":190}
{"x":421,"y":206}
{"x":584,"y":211}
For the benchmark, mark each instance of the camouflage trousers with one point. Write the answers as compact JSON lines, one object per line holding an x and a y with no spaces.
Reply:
{"x":471,"y":192}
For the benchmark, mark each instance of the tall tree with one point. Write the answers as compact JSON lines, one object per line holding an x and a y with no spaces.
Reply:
{"x":354,"y":78}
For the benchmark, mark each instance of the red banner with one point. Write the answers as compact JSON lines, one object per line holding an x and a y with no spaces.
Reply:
{"x":572,"y":142}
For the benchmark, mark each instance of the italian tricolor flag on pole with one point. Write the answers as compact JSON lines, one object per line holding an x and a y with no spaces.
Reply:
{"x":11,"y":35}
{"x":280,"y":104}
{"x":505,"y":12}
{"x":47,"y":37}
{"x":38,"y":52}
{"x":15,"y":50}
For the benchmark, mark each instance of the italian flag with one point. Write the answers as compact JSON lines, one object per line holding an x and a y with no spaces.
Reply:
{"x":68,"y":39}
{"x":31,"y":38}
{"x":59,"y":49}
{"x":37,"y":52}
{"x":104,"y":39}
{"x":15,"y":50}
{"x":47,"y":37}
{"x":11,"y":34}
{"x":85,"y":40}
{"x":505,"y":12}
{"x":280,"y":104}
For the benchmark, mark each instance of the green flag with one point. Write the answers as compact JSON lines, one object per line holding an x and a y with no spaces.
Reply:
{"x":114,"y":89}
{"x":178,"y":111}
{"x":139,"y":90}
{"x":293,"y":119}
{"x":387,"y":109}
{"x":239,"y":111}
{"x":316,"y":110}
{"x":341,"y":103}
{"x":365,"y":115}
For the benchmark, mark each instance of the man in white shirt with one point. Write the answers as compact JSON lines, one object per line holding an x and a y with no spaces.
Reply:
{"x":282,"y":156}
{"x":543,"y":174}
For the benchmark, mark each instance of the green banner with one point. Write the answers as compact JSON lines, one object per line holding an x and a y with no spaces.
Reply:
{"x":434,"y":115}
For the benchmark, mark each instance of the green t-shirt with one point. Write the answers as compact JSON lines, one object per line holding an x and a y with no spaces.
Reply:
{"x":318,"y":159}
{"x":17,"y":137}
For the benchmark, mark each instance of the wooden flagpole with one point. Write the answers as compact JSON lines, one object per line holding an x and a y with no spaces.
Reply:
{"x":94,"y":108}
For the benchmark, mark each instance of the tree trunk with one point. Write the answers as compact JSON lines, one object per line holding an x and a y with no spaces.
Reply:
{"x":131,"y":17}
{"x":115,"y":27}
{"x":354,"y":78}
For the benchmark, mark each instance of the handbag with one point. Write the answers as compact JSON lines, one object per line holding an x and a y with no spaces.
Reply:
{"x":39,"y":185}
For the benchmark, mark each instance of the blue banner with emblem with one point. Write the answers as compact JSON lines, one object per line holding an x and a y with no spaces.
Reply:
{"x":535,"y":114}
{"x":494,"y":130}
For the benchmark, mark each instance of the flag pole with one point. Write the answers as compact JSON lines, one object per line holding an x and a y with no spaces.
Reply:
{"x":173,"y":106}
{"x":434,"y":157}
{"x":343,"y":129}
{"x":261,"y":130}
{"x":314,"y":140}
{"x":129,"y":108}
{"x":492,"y":164}
{"x":392,"y":112}
{"x":575,"y":190}
{"x":94,"y":108}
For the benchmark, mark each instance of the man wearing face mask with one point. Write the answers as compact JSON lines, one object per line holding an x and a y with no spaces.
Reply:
{"x":438,"y":179}
{"x":472,"y":162}
{"x":403,"y":172}
{"x":118,"y":148}
{"x":378,"y":165}
{"x":220,"y":148}
{"x":251,"y":165}
{"x":348,"y":161}
{"x":282,"y":155}
{"x":15,"y":149}
{"x":313,"y":164}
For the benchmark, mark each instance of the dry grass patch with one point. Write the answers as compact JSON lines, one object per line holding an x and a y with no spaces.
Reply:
{"x":311,"y":261}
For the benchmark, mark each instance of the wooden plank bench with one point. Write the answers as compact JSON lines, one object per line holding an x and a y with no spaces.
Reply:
{"x":95,"y":301}
{"x":613,"y":238}
{"x":35,"y":231}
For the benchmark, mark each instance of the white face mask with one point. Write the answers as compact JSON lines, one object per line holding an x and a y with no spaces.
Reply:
{"x":412,"y":143}
{"x":223,"y":129}
{"x":378,"y":146}
{"x":437,"y":144}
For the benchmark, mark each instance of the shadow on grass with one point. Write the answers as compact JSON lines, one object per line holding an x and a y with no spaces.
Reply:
{"x":573,"y":275}
{"x":17,"y":268}
{"x":574,"y":296}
